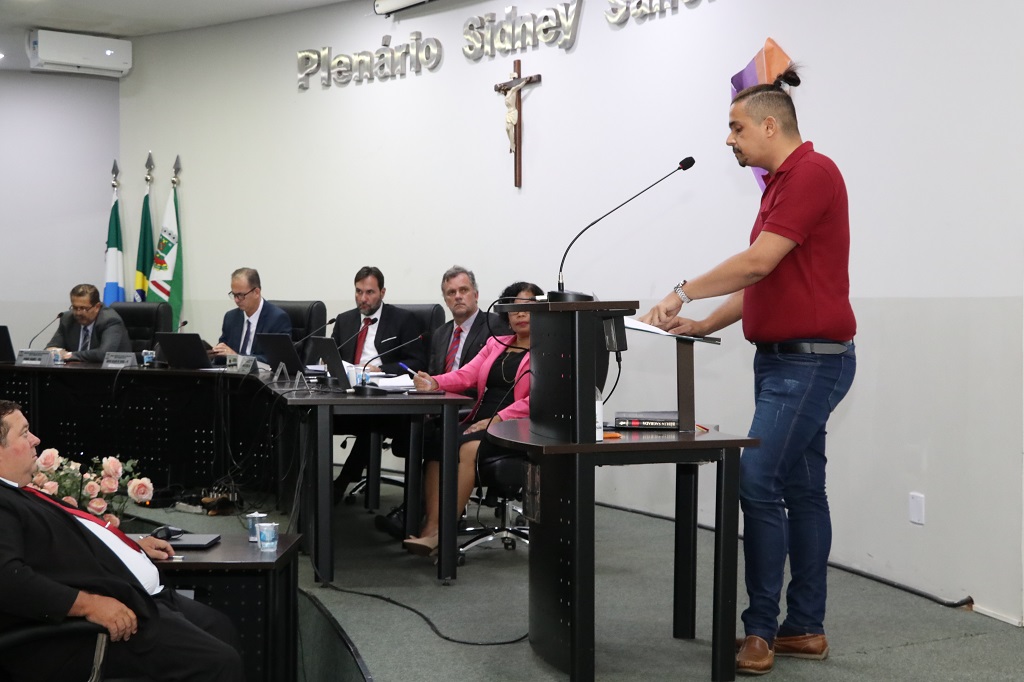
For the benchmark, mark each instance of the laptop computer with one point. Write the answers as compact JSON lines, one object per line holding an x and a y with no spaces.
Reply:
{"x":278,"y":348}
{"x":6,"y":347}
{"x":195,"y":540}
{"x":183,"y":351}
{"x":324,"y":347}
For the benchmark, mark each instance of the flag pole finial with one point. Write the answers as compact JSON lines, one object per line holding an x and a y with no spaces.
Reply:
{"x":115,"y":172}
{"x":177,"y":169}
{"x":149,"y":168}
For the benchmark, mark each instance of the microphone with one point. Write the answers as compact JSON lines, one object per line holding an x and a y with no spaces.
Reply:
{"x":59,"y":315}
{"x":315,"y":331}
{"x":180,"y":325}
{"x":562,"y":295}
{"x":365,"y":389}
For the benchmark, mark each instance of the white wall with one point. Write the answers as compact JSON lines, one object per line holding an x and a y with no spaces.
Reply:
{"x":60,"y":139}
{"x":412,"y":175}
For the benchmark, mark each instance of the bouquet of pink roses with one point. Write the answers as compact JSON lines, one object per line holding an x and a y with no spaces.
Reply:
{"x":104,"y":489}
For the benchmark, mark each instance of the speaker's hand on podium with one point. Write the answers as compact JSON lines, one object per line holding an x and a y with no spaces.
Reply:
{"x":663,"y":314}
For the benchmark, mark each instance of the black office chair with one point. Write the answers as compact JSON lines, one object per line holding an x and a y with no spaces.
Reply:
{"x":39,"y":636}
{"x":429,"y":316}
{"x":144,"y":321}
{"x":309,"y":318}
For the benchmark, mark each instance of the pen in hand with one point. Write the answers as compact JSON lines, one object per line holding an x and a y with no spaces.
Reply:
{"x":407,"y":369}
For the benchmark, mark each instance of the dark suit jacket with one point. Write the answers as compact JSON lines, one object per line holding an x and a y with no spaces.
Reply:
{"x":273,"y":320}
{"x":46,"y":557}
{"x":475,"y":339}
{"x":391,"y":322}
{"x":108,"y":334}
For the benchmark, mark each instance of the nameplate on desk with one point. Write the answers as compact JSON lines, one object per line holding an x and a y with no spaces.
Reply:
{"x":240,"y":364}
{"x":34,"y":358}
{"x":119,"y":360}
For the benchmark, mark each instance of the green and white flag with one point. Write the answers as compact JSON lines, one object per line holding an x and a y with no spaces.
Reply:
{"x":113,"y":288}
{"x":165,"y":279}
{"x":144,"y":257}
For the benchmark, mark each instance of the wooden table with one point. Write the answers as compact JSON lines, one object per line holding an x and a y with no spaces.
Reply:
{"x":257,"y":590}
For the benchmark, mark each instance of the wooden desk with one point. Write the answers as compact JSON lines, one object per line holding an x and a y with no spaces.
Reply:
{"x":562,"y":541}
{"x":257,"y":590}
{"x":318,"y":480}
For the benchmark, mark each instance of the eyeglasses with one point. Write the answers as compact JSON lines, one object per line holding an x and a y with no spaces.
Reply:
{"x":239,"y":297}
{"x":82,"y":309}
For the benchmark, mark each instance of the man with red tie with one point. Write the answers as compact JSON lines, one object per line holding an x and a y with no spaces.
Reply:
{"x":55,"y":565}
{"x":458,"y":341}
{"x":373,"y":328}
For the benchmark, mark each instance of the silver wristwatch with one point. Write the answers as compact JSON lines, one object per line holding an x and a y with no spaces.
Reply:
{"x":679,"y":292}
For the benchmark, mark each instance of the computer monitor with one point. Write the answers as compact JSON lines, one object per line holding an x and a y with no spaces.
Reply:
{"x":278,"y":348}
{"x":6,"y":347}
{"x":327,"y":350}
{"x":183,"y":351}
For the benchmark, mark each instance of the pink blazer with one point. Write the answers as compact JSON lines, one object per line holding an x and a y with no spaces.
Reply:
{"x":475,"y":374}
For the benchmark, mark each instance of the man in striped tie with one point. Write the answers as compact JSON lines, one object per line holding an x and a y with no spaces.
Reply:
{"x":55,"y":565}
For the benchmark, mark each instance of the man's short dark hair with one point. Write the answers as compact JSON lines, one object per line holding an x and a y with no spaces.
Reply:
{"x":370,"y":271}
{"x":456,"y":270}
{"x":86,"y":290}
{"x":250,"y":275}
{"x":770,"y":99}
{"x":6,"y":407}
{"x":509,"y":294}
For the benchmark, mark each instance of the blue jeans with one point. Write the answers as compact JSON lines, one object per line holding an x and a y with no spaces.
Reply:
{"x":782,"y":489}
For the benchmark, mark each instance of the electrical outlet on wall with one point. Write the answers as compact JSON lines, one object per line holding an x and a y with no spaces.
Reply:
{"x":917,"y":508}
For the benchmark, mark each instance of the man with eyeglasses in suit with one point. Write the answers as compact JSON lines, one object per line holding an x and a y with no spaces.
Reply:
{"x":253,"y":316}
{"x":91,"y":330}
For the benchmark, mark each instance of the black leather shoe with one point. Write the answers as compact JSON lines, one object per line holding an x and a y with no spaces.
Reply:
{"x":392,"y":523}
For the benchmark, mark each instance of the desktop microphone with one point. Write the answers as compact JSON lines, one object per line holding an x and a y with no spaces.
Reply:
{"x":59,"y":315}
{"x":180,"y":325}
{"x":562,"y":295}
{"x":316,"y":331}
{"x":365,"y":389}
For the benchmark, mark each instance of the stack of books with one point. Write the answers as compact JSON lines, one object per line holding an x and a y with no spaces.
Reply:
{"x":651,"y":419}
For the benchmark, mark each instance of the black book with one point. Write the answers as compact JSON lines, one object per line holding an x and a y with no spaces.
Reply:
{"x":649,"y":419}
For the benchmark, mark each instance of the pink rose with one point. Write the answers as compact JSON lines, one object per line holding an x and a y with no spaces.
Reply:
{"x":87,"y":477}
{"x":112,"y":520}
{"x":140,"y":489}
{"x":112,"y":467}
{"x":51,"y":487}
{"x":108,"y":485}
{"x":97,"y":506}
{"x":39,"y":480}
{"x":70,"y":500}
{"x":49,"y":460}
{"x":92,"y":489}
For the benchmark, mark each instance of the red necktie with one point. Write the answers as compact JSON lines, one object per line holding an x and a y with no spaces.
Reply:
{"x":361,"y":339}
{"x":85,"y":515}
{"x":449,"y":360}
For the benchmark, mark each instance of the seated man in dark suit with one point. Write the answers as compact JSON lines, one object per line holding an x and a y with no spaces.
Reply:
{"x":373,"y":328}
{"x":91,"y":330}
{"x":457,"y":341}
{"x":54,"y":565}
{"x":252,"y":316}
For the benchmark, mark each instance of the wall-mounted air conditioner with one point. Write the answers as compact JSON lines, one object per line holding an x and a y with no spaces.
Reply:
{"x":77,"y":53}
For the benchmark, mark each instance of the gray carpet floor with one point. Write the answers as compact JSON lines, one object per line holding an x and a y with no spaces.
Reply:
{"x":407,"y":626}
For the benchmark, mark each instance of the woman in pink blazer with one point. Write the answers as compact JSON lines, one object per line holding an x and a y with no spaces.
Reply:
{"x":499,"y":373}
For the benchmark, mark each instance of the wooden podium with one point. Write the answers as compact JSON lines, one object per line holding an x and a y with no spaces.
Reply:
{"x":561,"y":444}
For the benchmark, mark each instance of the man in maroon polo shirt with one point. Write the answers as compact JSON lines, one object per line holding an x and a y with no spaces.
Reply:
{"x":790,"y":288}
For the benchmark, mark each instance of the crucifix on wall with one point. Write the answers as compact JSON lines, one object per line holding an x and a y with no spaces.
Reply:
{"x":512,"y":90}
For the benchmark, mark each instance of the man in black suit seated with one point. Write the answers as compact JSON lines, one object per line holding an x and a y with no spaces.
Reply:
{"x":373,"y":328}
{"x":253,"y":316}
{"x":457,"y":341}
{"x":55,"y":565}
{"x":91,"y":330}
